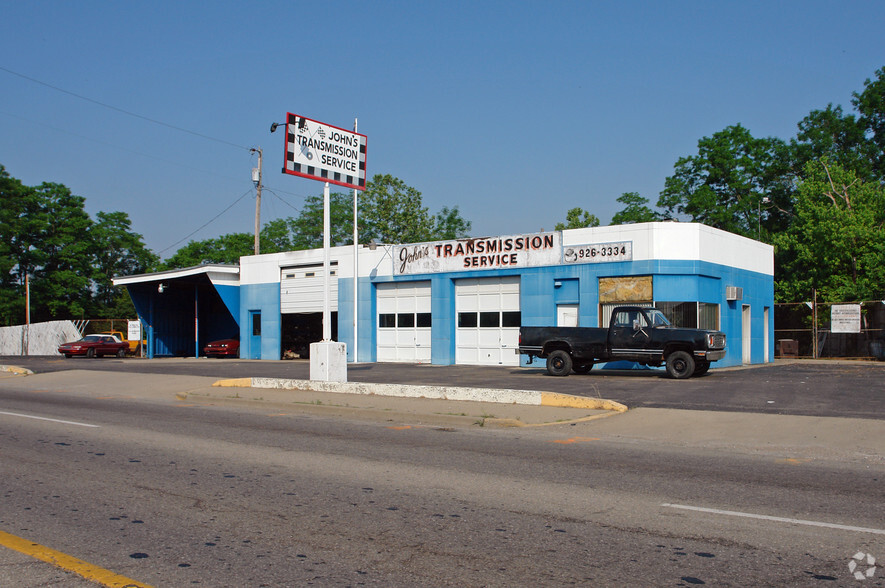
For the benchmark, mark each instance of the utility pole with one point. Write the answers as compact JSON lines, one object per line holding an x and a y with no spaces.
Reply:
{"x":256,"y":179}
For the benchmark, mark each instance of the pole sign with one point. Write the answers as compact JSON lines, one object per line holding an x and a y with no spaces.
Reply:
{"x":478,"y":254}
{"x":845,"y":318}
{"x":322,"y":152}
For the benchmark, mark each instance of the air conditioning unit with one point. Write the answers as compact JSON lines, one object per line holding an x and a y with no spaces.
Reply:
{"x":734,"y":293}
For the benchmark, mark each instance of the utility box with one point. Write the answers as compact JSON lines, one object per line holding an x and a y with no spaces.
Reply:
{"x":328,"y":361}
{"x":788,"y":347}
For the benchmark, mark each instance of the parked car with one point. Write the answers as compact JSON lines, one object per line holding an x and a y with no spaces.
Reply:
{"x":95,"y":346}
{"x":222,"y":348}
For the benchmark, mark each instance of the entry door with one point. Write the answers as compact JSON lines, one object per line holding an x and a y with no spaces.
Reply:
{"x":404,"y":322}
{"x":746,"y":340}
{"x":567,"y":315}
{"x":255,"y":337}
{"x":488,"y":321}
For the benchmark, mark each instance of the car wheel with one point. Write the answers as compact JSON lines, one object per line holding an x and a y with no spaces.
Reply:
{"x":559,"y":363}
{"x":90,"y":353}
{"x":69,"y":355}
{"x":583,"y":368}
{"x":680,"y":365}
{"x":121,"y":353}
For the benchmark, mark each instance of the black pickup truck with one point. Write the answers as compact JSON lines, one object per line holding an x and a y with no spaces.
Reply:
{"x":643,"y":335}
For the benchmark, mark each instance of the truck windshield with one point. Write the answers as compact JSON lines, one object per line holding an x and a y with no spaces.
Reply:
{"x":657,"y":318}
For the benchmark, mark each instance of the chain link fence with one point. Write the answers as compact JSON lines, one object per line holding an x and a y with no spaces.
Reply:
{"x":804,"y":329}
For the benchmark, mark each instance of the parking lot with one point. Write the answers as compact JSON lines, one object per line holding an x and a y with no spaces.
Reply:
{"x":800,"y":387}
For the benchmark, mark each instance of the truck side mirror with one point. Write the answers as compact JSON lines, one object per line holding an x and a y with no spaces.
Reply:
{"x":636,"y":325}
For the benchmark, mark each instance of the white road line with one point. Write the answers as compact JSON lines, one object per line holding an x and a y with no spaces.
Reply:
{"x":776,"y":519}
{"x":27,"y":416}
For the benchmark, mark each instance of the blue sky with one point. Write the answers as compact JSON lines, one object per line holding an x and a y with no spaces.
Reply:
{"x":512,"y":111}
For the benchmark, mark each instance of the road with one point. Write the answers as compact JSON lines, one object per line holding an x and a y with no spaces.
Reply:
{"x":172,"y":493}
{"x":812,"y":388}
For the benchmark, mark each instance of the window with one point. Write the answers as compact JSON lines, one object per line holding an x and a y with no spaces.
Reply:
{"x":387,"y":321}
{"x":511,"y":319}
{"x":423,"y":319}
{"x":708,"y":316}
{"x":467,"y":319}
{"x":490,"y":319}
{"x":256,"y":324}
{"x":405,"y":319}
{"x":681,"y":314}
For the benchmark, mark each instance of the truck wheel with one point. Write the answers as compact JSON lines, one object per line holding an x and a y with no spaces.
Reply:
{"x":583,"y":368}
{"x":680,"y":365}
{"x":559,"y":363}
{"x":121,"y":353}
{"x":90,"y":353}
{"x":701,"y":368}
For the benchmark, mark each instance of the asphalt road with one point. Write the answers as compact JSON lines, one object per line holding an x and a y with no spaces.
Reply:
{"x":174,"y":493}
{"x":812,"y":388}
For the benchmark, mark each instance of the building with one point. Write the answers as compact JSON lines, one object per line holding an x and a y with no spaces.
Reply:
{"x":463,"y":301}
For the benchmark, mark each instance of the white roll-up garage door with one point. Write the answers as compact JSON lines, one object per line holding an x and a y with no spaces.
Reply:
{"x":488,"y":321}
{"x":404,"y":322}
{"x":301,"y":288}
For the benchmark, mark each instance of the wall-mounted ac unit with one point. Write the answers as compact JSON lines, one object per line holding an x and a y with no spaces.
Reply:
{"x":734,"y":293}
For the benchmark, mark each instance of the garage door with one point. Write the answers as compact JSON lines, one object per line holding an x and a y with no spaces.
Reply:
{"x":488,"y":321}
{"x":302,"y":287}
{"x":404,"y":322}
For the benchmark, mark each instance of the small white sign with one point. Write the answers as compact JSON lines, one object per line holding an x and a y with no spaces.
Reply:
{"x":134,"y":333}
{"x":598,"y":252}
{"x":478,"y":254}
{"x":845,"y":318}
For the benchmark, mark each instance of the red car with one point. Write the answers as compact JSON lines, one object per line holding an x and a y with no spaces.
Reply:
{"x":95,"y":346}
{"x":222,"y":348}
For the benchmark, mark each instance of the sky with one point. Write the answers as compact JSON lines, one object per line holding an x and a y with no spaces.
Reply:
{"x":513,"y":111}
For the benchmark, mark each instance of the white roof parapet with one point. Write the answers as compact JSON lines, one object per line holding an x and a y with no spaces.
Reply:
{"x":178,"y":273}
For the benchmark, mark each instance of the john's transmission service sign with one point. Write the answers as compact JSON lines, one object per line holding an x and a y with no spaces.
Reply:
{"x":322,"y":152}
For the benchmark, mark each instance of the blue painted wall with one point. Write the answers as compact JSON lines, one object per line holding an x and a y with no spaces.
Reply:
{"x":266,"y":299}
{"x":674,"y":281}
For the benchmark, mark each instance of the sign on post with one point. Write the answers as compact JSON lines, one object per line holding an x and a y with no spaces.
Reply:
{"x":845,"y":318}
{"x":318,"y":151}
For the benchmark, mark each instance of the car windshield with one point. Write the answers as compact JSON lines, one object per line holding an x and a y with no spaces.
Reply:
{"x":658,"y":319}
{"x":91,"y":338}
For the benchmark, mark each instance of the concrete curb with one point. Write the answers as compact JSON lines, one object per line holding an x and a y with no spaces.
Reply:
{"x":526,"y":397}
{"x":11,"y":369}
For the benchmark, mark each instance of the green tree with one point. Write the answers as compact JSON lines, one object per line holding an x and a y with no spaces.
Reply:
{"x":116,"y":251}
{"x":577,"y":218}
{"x":870,"y":104}
{"x":726,"y":183}
{"x":836,"y":243}
{"x":449,"y":224}
{"x":635,"y":210}
{"x":307,"y":228}
{"x":394,"y":212}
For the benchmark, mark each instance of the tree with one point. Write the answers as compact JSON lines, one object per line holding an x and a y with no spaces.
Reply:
{"x":836,"y":243}
{"x":307,"y":228}
{"x":394,"y":212}
{"x":577,"y":218}
{"x":116,"y":251}
{"x":837,"y":136}
{"x":448,"y":224}
{"x":726,"y":183}
{"x":870,"y":104}
{"x":636,"y":210}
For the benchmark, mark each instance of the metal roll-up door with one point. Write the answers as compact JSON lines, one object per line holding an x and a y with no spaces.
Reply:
{"x":488,"y":320}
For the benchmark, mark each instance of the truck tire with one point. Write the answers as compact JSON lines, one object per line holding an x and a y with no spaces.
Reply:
{"x":701,"y":368}
{"x":680,"y":365}
{"x":583,"y":368}
{"x":559,"y":363}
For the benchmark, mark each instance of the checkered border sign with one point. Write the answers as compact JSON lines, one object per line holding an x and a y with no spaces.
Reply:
{"x":297,"y":165}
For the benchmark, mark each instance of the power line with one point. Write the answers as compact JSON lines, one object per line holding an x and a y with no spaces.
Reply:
{"x":126,"y":112}
{"x":210,"y":221}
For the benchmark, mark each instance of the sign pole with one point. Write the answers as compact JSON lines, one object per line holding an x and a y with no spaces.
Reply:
{"x":327,"y":254}
{"x":356,"y":265}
